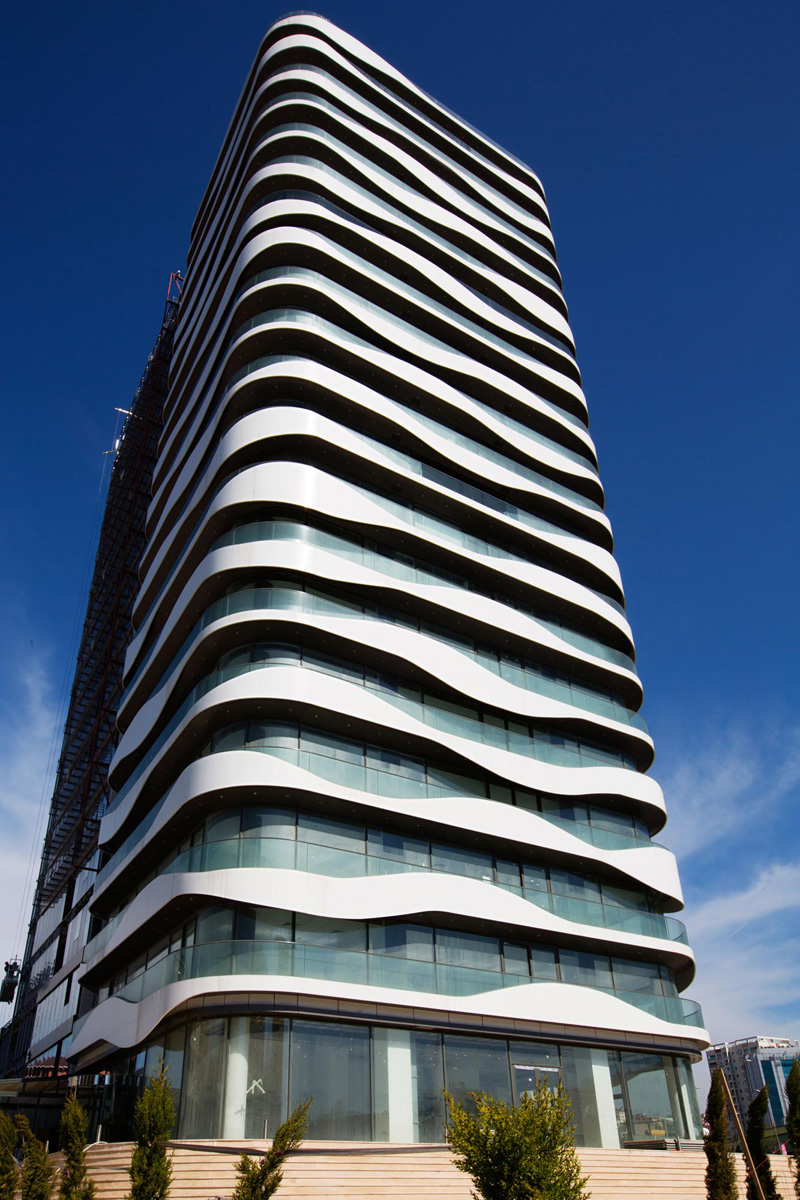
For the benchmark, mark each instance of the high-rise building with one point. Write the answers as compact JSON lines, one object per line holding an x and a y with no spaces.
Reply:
{"x":751,"y":1064}
{"x":381,"y":821}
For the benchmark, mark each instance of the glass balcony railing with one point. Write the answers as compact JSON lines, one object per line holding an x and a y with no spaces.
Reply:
{"x":294,"y":855}
{"x":377,"y":782}
{"x":453,"y":437}
{"x":376,"y":561}
{"x":552,"y":746}
{"x":390,"y":183}
{"x":380,"y":115}
{"x":530,"y":679}
{"x":293,"y":959}
{"x":416,"y":519}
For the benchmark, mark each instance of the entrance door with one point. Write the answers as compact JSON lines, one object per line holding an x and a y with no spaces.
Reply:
{"x":531,"y":1062}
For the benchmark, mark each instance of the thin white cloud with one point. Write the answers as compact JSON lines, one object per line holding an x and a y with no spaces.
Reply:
{"x":28,"y":720}
{"x":776,"y":889}
{"x":748,"y":956}
{"x":747,"y":985}
{"x":719,"y":780}
{"x":730,"y":786}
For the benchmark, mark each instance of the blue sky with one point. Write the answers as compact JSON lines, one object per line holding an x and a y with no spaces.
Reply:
{"x":666,"y":137}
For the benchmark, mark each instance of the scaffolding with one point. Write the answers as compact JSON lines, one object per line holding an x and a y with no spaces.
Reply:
{"x":81,"y":790}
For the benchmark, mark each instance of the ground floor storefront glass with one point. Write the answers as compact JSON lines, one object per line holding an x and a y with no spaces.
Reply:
{"x":235,"y":1077}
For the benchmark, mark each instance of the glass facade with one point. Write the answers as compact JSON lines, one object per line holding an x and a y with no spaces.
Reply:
{"x":237,"y":1076}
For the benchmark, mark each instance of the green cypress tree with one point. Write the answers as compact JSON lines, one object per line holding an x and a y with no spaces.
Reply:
{"x":720,"y":1166}
{"x":9,"y":1171}
{"x":153,"y":1118}
{"x":755,"y":1144}
{"x":522,"y":1153}
{"x":37,"y":1175}
{"x":793,"y":1119}
{"x":75,"y":1183}
{"x":258,"y":1180}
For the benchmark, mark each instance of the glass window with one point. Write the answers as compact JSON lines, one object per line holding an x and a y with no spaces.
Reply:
{"x":332,"y":747}
{"x":398,"y":846}
{"x":237,"y":658}
{"x":268,"y":822}
{"x":428,"y":1065}
{"x":504,"y":795}
{"x":618,"y":1093}
{"x":135,"y":967}
{"x":543,"y":963}
{"x":157,"y":952}
{"x":567,"y":810}
{"x":455,"y":781}
{"x":476,"y":1064}
{"x":273,"y":736}
{"x":534,"y":878}
{"x":263,"y":924}
{"x":342,"y":835}
{"x":467,"y":950}
{"x":48,"y":921}
{"x":567,"y":883}
{"x":214,"y":925}
{"x":530,"y":1063}
{"x":223,"y":825}
{"x":230,"y":739}
{"x":585,"y":1072}
{"x":460,"y":861}
{"x":331,"y":1063}
{"x":206,"y":1054}
{"x":381,"y":759}
{"x":173,"y":1057}
{"x":284,"y":655}
{"x":507,"y":873}
{"x":402,"y":940}
{"x":688,"y":1095}
{"x":326,"y":931}
{"x":515,"y":959}
{"x":407,"y":1086}
{"x":636,"y":976}
{"x":580,"y":967}
{"x":623,"y":897}
{"x":267,"y":1069}
{"x":529,"y":801}
{"x":603,"y":818}
{"x":651,"y":1111}
{"x":668,"y":985}
{"x":153,"y":1053}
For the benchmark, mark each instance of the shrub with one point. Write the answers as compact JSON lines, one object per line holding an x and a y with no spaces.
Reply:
{"x":153,"y":1118}
{"x":521,"y":1153}
{"x":258,"y":1180}
{"x":9,"y":1171}
{"x":793,"y":1118}
{"x":755,"y":1144}
{"x":720,"y":1166}
{"x":37,"y":1175}
{"x":75,"y":1183}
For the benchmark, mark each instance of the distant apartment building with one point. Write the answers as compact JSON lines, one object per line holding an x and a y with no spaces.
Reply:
{"x":751,"y":1063}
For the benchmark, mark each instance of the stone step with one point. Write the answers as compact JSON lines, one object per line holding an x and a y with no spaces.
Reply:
{"x":369,"y":1171}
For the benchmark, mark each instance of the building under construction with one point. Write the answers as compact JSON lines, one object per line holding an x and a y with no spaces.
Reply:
{"x":34,"y":1044}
